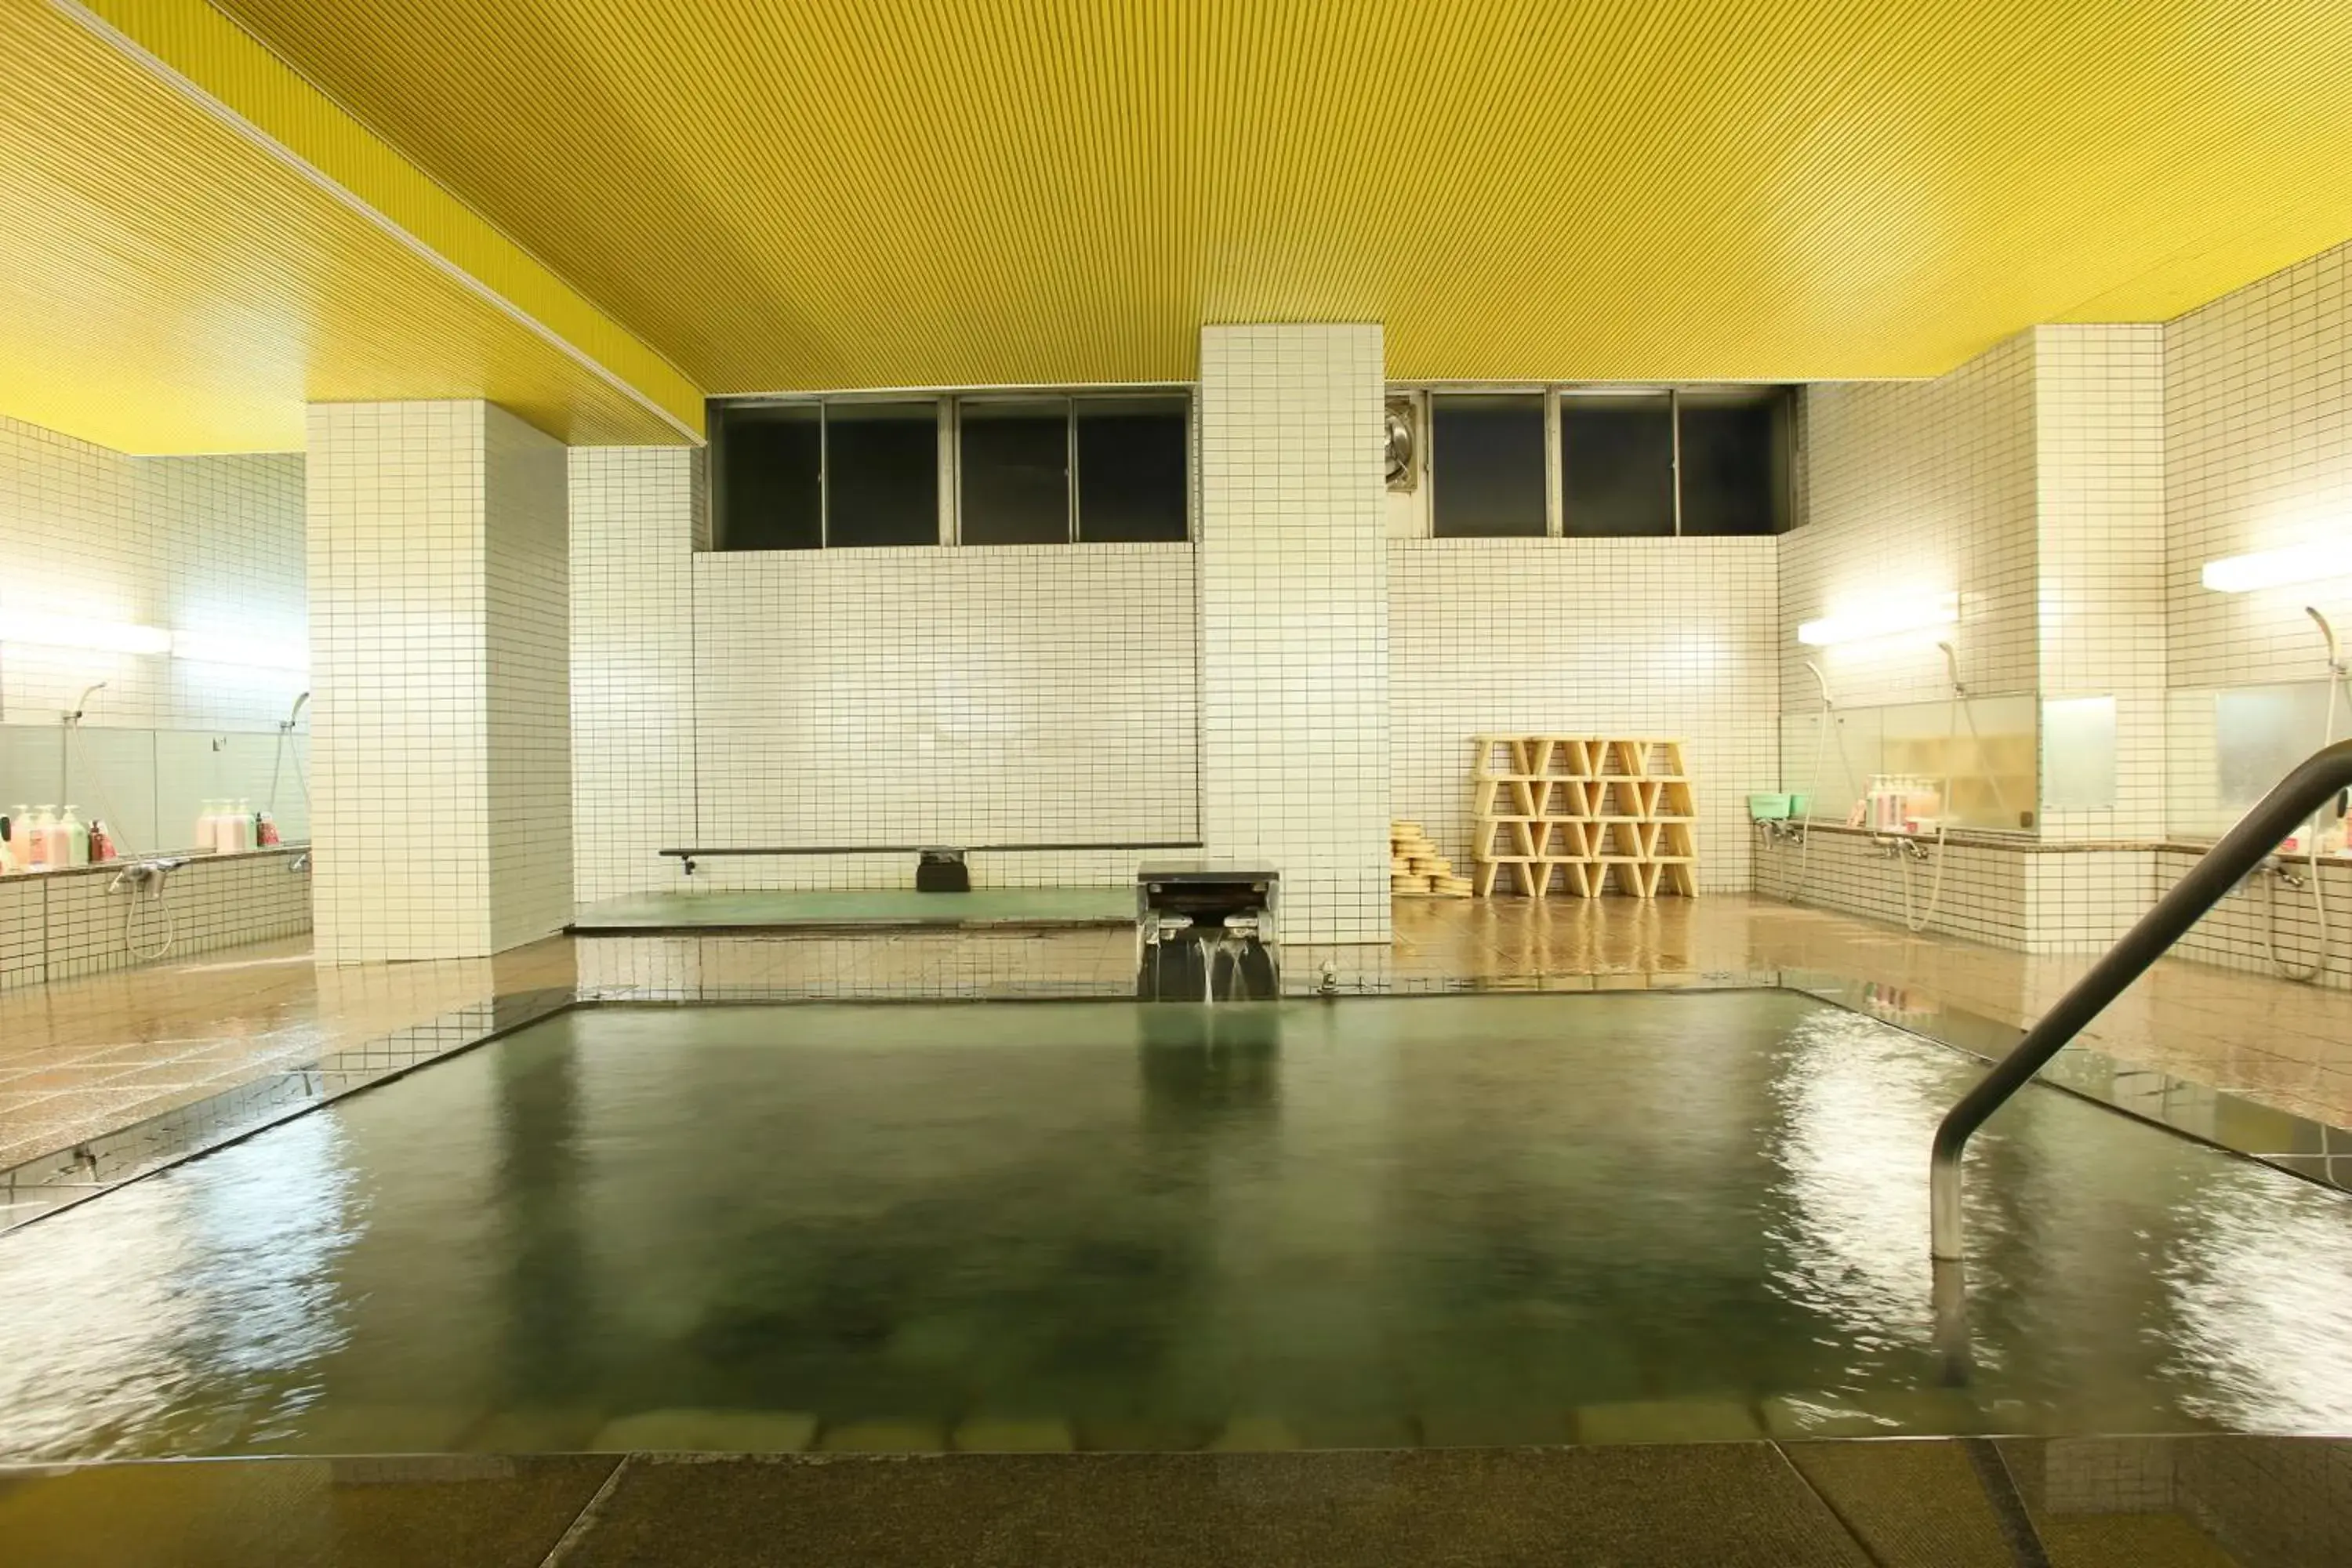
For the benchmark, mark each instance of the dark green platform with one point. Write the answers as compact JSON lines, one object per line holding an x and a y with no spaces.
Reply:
{"x":882,"y":908}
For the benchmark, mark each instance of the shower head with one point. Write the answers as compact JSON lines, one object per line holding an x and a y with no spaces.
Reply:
{"x":81,"y":704}
{"x":1952,"y":666}
{"x":2334,"y":659}
{"x":297,"y":711}
{"x":1823,"y":682}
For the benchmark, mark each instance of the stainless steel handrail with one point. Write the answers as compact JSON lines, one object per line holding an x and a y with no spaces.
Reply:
{"x":2241,"y":850}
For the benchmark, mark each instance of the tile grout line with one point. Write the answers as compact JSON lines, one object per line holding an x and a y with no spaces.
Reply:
{"x":1780,"y":1451}
{"x":584,"y":1523}
{"x":2000,"y":1486}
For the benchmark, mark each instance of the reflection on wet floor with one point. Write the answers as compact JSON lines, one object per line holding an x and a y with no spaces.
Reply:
{"x":84,"y":1057}
{"x":1432,"y":1221}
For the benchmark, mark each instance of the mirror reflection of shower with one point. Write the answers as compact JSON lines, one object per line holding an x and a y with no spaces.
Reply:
{"x":100,"y":798}
{"x":1823,"y":725}
{"x":72,"y":719}
{"x":278,"y":764}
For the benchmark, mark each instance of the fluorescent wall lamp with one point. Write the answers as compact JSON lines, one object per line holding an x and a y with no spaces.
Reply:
{"x":218,"y":648}
{"x":74,"y":631}
{"x":1881,"y":621}
{"x":2277,"y":568}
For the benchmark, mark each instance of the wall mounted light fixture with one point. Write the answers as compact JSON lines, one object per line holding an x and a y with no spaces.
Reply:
{"x":2277,"y":568}
{"x":1885,"y":620}
{"x":76,"y":631}
{"x":228,"y":647}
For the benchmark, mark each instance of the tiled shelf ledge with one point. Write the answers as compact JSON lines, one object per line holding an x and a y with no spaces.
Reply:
{"x":123,"y":862}
{"x":57,"y":924}
{"x":1987,"y":838}
{"x":2062,"y":896}
{"x":2026,"y":843}
{"x":2006,"y":890}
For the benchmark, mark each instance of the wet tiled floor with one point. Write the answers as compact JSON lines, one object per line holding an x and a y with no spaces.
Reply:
{"x":84,"y":1057}
{"x":2084,"y":1502}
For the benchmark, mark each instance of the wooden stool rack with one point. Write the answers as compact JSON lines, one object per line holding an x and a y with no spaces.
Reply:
{"x":1582,"y":814}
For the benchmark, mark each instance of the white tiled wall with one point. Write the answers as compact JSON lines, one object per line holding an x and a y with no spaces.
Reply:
{"x":957,"y":695}
{"x":200,"y":545}
{"x":2099,"y":429}
{"x":960,"y":696}
{"x":2266,"y":924}
{"x":1982,"y":899}
{"x":632,"y":694}
{"x":53,"y":927}
{"x":2022,"y":899}
{"x":2030,"y":482}
{"x":1653,"y":636}
{"x":2258,"y":438}
{"x":527,"y":679}
{"x":203,"y":545}
{"x":2082,"y":900}
{"x":438,"y":618}
{"x":2258,"y":456}
{"x":1294,"y":607}
{"x":1917,"y":489}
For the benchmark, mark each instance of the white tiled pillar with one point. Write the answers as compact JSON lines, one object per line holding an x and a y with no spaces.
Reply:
{"x":637,"y":513}
{"x":2098,"y":410}
{"x":440,"y":714}
{"x":1294,"y":619}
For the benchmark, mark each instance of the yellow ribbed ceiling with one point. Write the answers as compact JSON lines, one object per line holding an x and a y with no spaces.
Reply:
{"x":194,"y":243}
{"x":870,"y":192}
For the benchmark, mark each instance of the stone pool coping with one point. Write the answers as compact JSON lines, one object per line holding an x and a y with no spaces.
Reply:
{"x":50,"y":1183}
{"x":1790,"y":1504}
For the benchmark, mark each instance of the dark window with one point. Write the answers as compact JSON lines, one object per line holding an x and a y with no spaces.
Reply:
{"x":764,"y":461}
{"x":1014,"y":459}
{"x":882,"y":474}
{"x":1734,"y":461}
{"x":1134,"y":478}
{"x":1487,"y":466}
{"x":1616,"y":466}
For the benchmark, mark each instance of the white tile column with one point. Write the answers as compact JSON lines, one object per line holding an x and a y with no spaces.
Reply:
{"x":1294,"y":619}
{"x":2099,"y":412}
{"x":638,"y":515}
{"x":440,"y":713}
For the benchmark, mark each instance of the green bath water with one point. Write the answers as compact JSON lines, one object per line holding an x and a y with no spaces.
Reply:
{"x":1458,"y":1219}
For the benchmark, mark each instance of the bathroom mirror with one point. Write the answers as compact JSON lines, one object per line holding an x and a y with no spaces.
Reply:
{"x":149,"y":787}
{"x":2078,"y":754}
{"x":1984,"y":749}
{"x":2226,"y":746}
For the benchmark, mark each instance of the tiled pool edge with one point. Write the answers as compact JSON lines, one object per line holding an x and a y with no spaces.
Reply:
{"x":50,"y":1183}
{"x":2297,"y":1144}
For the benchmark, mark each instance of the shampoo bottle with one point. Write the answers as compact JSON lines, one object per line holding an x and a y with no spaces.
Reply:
{"x":73,"y":835}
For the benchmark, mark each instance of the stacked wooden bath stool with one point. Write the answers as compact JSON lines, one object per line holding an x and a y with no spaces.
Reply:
{"x":1583,"y":815}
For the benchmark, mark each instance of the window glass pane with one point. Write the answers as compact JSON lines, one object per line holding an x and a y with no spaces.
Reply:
{"x":1734,"y":464}
{"x":1014,"y":459}
{"x":1487,"y":466}
{"x":1133,"y":469}
{"x":764,"y":460}
{"x":882,"y":474}
{"x":1616,"y":466}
